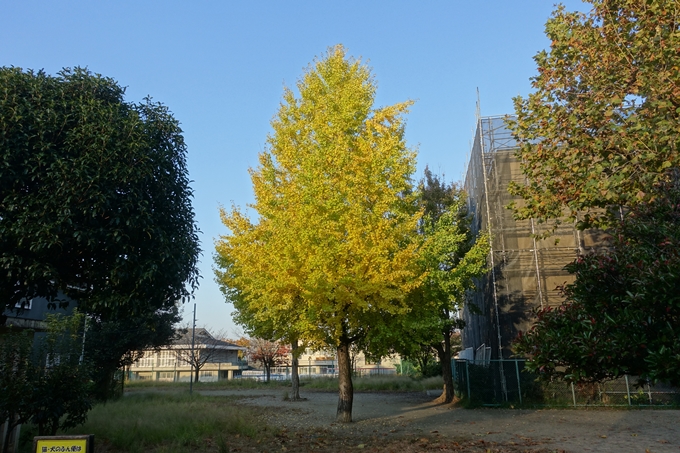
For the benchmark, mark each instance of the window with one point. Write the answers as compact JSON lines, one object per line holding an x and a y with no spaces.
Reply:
{"x":147,"y":361}
{"x":184,"y":358}
{"x":167,"y":358}
{"x":24,"y":304}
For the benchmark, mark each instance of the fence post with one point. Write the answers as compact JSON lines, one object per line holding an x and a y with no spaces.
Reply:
{"x":573,"y":394}
{"x":519,"y":386}
{"x":649,"y":392}
{"x":627,"y":389}
{"x":467,"y":378}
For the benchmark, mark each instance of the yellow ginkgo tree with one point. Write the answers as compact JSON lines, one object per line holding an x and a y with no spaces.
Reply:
{"x":333,"y":249}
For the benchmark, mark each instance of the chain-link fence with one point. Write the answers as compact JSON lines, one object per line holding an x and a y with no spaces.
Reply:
{"x":508,"y":382}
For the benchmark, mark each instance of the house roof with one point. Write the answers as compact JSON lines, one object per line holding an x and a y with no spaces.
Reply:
{"x":203,"y":338}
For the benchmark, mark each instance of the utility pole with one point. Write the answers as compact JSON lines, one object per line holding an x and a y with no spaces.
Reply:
{"x":193,"y":356}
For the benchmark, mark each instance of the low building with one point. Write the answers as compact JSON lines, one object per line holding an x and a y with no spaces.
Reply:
{"x":325,"y":363}
{"x":31,"y":314}
{"x":217,"y":359}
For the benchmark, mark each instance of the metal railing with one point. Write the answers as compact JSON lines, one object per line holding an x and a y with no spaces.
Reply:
{"x":508,"y":382}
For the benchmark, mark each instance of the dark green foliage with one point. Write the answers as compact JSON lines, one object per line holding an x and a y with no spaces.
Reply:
{"x":115,"y":344}
{"x":16,"y":371}
{"x":622,"y":313}
{"x":436,"y":197}
{"x":44,"y":380}
{"x":61,"y":383}
{"x":430,"y":368}
{"x":94,"y":196}
{"x":450,"y":258}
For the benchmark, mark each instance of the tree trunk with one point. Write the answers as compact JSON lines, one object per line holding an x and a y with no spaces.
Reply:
{"x":295,"y":375}
{"x":444,"y":353}
{"x":198,"y":370}
{"x":54,"y":426}
{"x":422,"y":361}
{"x":345,"y":389}
{"x":267,"y":370}
{"x":12,"y":423}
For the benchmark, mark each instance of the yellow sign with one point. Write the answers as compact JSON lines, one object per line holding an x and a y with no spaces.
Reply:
{"x":61,"y":444}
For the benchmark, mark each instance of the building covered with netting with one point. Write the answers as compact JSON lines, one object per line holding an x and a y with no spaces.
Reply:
{"x":524,"y":272}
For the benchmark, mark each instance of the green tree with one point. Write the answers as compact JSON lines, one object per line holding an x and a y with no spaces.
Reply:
{"x":601,"y":128}
{"x":622,"y":313}
{"x":45,"y":380}
{"x":94,"y":196}
{"x":451,"y":257}
{"x":599,"y":142}
{"x":16,"y":381}
{"x":332,"y":252}
{"x":61,"y":396}
{"x":117,"y":343}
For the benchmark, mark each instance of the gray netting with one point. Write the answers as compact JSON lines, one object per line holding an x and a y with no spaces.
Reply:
{"x":526,"y":272}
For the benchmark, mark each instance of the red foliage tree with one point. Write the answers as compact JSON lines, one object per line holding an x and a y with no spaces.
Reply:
{"x":269,"y":354}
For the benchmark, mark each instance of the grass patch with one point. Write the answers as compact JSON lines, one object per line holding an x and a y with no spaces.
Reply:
{"x":219,"y":385}
{"x":377,"y":383}
{"x":380,"y":383}
{"x":169,"y":422}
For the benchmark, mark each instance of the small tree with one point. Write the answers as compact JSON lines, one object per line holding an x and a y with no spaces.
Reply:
{"x":206,"y":348}
{"x":62,"y":394}
{"x":111,"y":345}
{"x":46,"y":381}
{"x":451,"y":257}
{"x":17,"y":376}
{"x":269,"y":354}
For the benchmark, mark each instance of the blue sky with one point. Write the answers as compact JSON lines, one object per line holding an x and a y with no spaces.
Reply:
{"x":221,"y":66}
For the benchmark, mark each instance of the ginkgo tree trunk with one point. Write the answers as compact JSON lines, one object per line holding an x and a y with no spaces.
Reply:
{"x":333,"y":249}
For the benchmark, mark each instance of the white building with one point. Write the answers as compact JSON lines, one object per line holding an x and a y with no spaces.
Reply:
{"x":217,"y":359}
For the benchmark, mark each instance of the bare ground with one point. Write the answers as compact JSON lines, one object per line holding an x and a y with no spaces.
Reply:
{"x":410,"y":422}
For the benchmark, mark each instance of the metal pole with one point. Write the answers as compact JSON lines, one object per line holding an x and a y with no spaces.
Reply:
{"x":82,"y":351}
{"x":538,"y":269}
{"x":627,"y":389}
{"x":573,"y":394}
{"x":519,"y":386}
{"x":193,"y":356}
{"x":480,"y":123}
{"x":467,"y":378}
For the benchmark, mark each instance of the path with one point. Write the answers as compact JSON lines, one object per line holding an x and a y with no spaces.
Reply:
{"x":412,"y":415}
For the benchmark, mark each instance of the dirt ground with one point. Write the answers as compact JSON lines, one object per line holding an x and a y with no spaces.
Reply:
{"x":410,"y":422}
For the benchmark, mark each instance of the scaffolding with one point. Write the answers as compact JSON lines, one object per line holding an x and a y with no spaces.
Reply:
{"x":525,"y":272}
